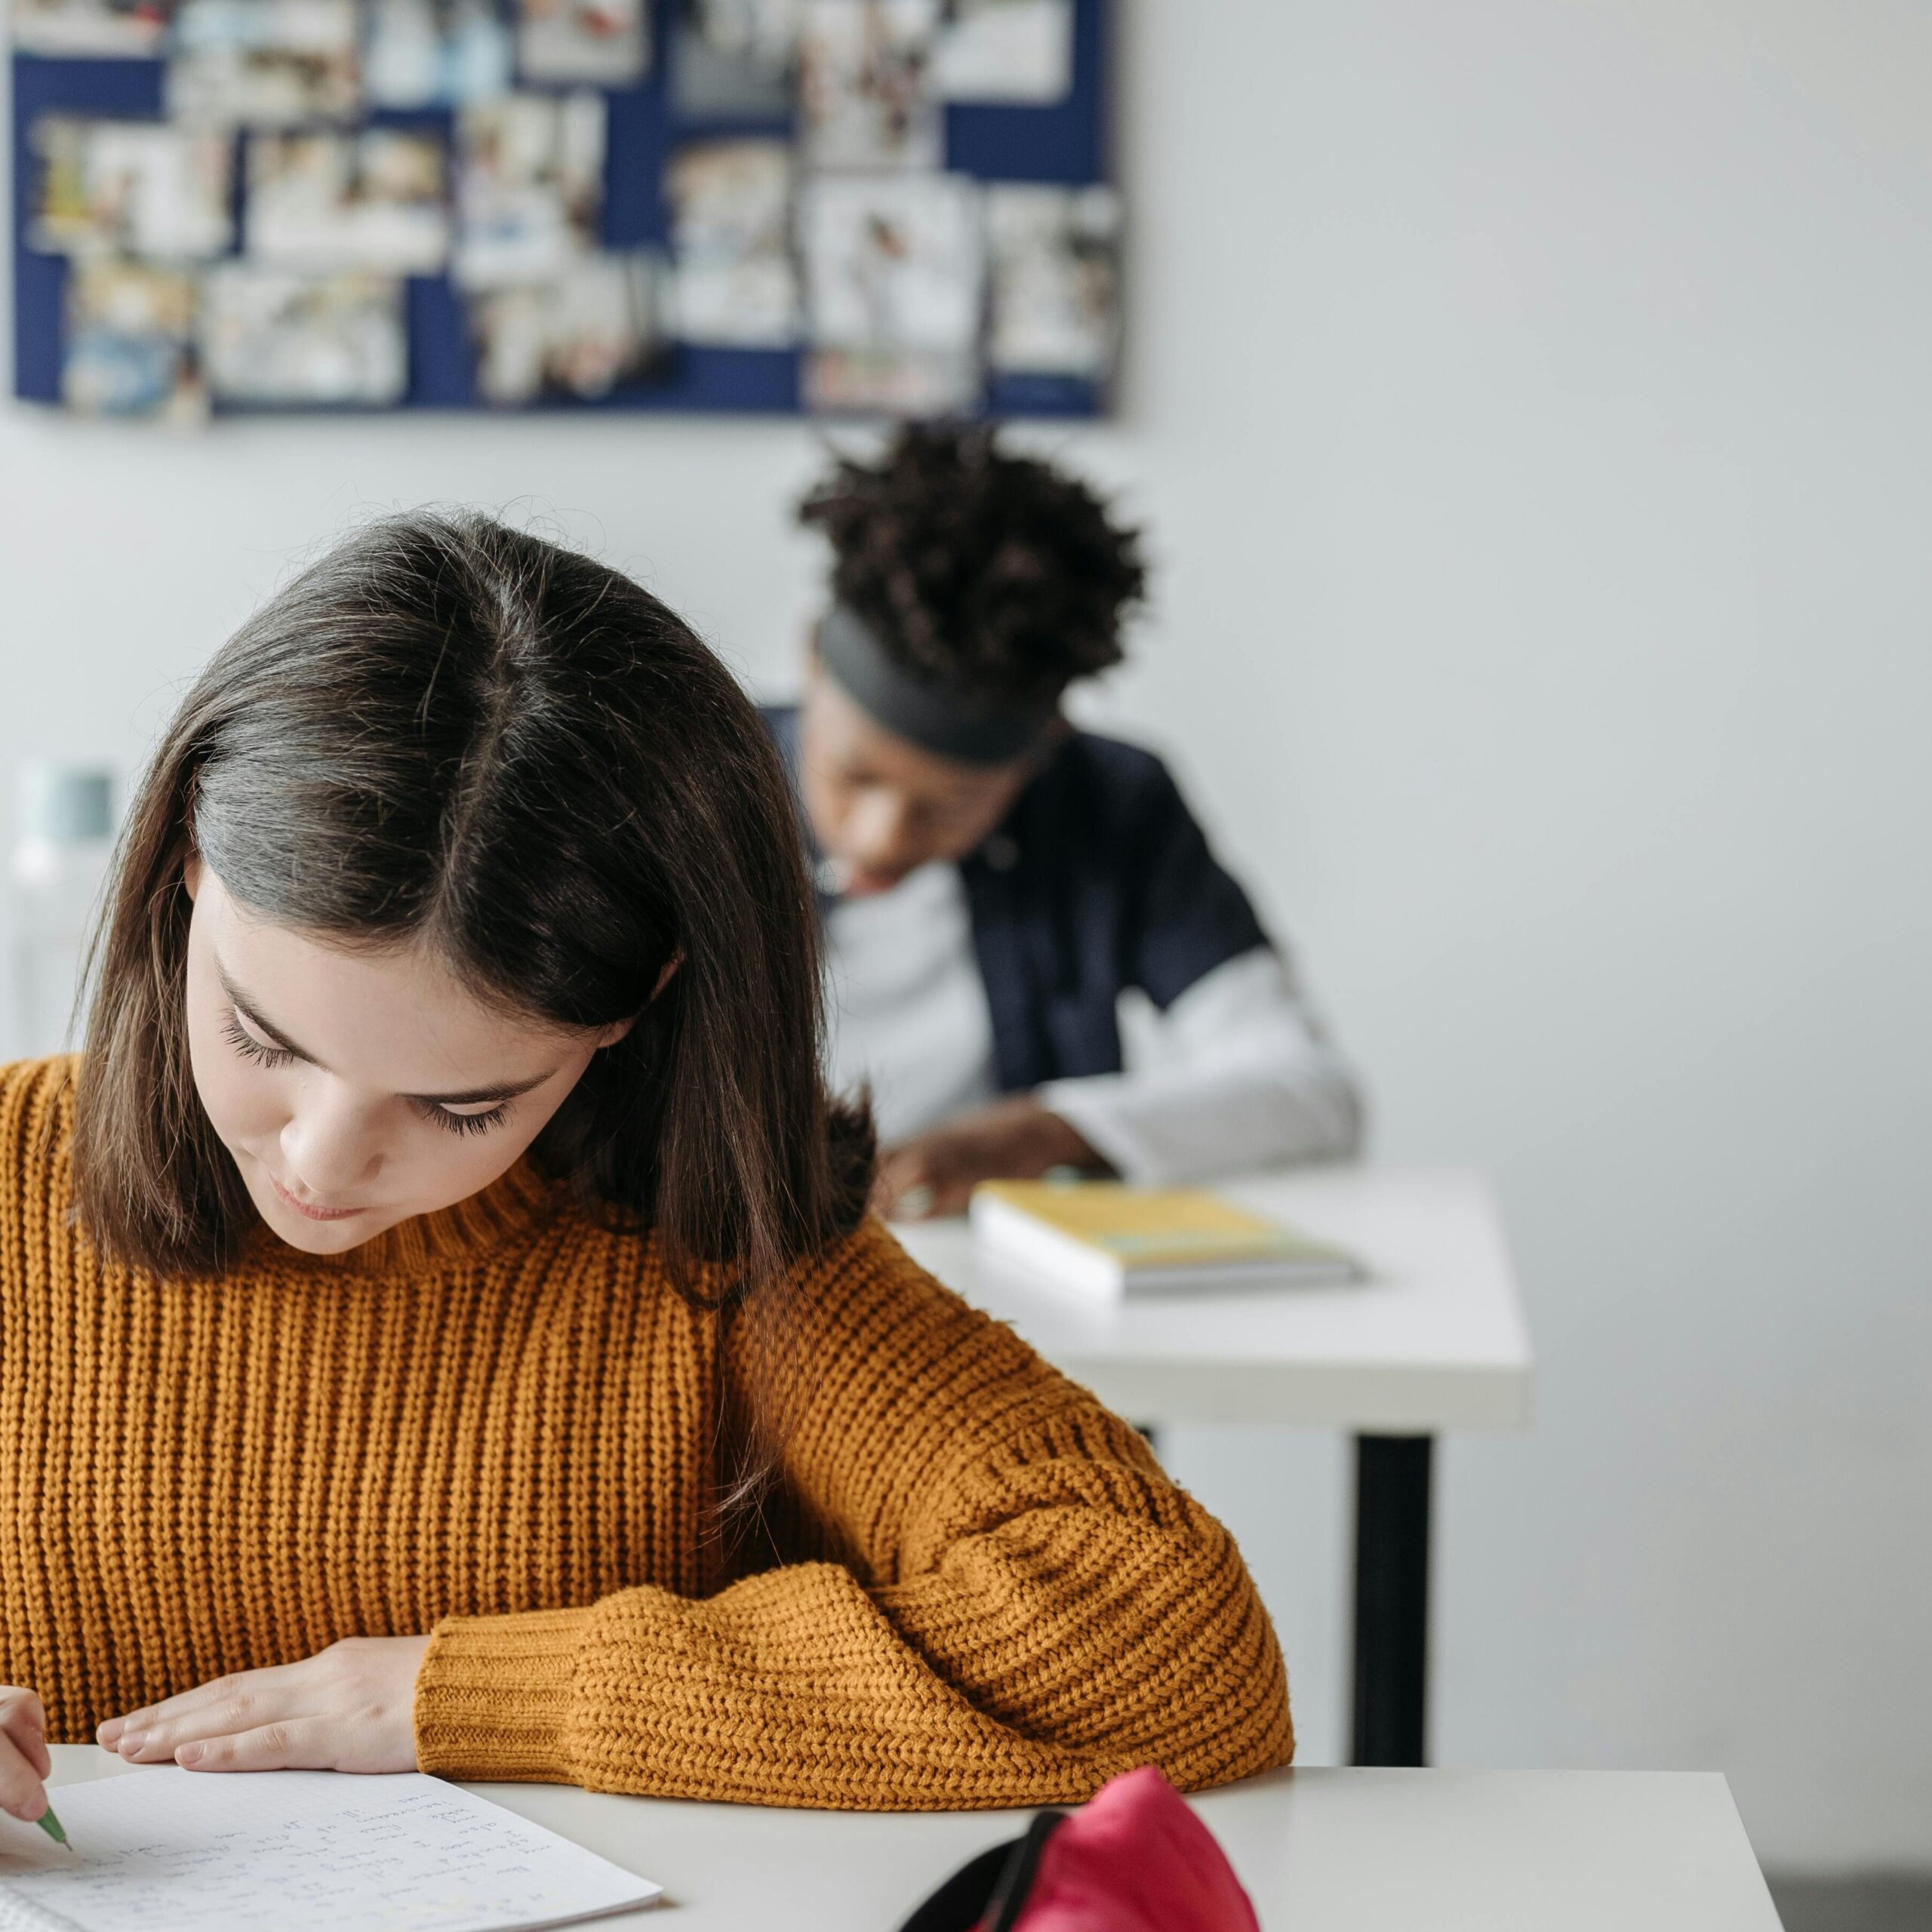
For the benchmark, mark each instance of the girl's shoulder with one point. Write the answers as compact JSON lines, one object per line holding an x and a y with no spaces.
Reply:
{"x":866,"y":1290}
{"x":36,"y":1093}
{"x":36,"y":1122}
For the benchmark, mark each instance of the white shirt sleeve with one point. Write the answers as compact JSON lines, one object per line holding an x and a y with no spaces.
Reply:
{"x":1238,"y":1075}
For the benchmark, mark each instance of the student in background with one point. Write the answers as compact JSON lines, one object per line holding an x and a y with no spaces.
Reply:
{"x":992,"y":881}
{"x":438,"y":1327}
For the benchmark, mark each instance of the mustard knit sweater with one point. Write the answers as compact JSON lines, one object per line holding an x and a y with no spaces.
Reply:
{"x":501,"y":1424}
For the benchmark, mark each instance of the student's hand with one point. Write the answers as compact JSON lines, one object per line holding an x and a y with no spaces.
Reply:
{"x":1015,"y":1138}
{"x":24,"y":1761}
{"x":350,"y":1708}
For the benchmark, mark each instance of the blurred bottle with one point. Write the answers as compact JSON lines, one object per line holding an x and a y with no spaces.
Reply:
{"x":59,"y":865}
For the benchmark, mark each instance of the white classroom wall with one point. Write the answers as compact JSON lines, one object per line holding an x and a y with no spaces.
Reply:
{"x":1531,"y":401}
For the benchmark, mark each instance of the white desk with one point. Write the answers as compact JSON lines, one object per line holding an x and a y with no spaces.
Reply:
{"x":1435,"y":1340}
{"x":1319,"y":1850}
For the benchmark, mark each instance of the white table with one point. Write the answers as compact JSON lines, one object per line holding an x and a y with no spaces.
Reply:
{"x":1435,"y":1340}
{"x":1319,"y":1851}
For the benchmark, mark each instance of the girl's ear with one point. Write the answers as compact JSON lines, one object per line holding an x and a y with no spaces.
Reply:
{"x":191,"y":874}
{"x":612,"y":1034}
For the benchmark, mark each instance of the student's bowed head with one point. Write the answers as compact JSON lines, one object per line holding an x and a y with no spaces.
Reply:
{"x":440,"y":1325}
{"x":994,"y":880}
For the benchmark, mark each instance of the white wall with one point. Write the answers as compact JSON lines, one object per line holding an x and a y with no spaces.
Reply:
{"x":1531,"y":403}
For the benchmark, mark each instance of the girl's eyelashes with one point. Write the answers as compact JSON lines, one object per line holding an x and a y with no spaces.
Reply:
{"x":463,"y":1123}
{"x":245,"y":1044}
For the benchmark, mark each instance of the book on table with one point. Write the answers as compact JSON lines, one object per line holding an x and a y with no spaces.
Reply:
{"x":169,"y":1850}
{"x":1113,"y":1240}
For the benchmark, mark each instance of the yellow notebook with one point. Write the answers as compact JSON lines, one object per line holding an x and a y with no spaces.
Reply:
{"x":1114,"y":1240}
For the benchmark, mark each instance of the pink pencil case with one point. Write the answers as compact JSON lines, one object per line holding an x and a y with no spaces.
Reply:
{"x":1133,"y":1859}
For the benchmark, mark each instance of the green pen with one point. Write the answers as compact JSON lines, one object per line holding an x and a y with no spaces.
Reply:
{"x":51,"y":1825}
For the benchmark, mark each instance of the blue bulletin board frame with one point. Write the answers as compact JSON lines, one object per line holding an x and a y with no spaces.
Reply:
{"x":1063,"y":143}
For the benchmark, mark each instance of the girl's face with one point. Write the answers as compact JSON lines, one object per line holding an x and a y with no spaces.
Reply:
{"x":881,"y":805}
{"x":357,"y":1087}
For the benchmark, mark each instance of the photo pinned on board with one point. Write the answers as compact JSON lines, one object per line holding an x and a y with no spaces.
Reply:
{"x":529,"y":191}
{"x":1054,"y":268}
{"x":891,"y":382}
{"x":865,"y":91}
{"x":436,"y":53}
{"x":734,"y":59}
{"x":730,"y":225}
{"x":376,"y":200}
{"x":763,"y":32}
{"x":1020,"y":50}
{"x":894,"y":274}
{"x":92,"y":29}
{"x":140,"y":188}
{"x":892,"y":261}
{"x":596,"y":43}
{"x":129,"y":345}
{"x":265,"y":64}
{"x":594,"y":329}
{"x":275,"y":336}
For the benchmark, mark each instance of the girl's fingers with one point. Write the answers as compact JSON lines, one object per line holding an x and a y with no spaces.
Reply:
{"x":226,"y":1703}
{"x":20,"y":1789}
{"x":23,"y":1721}
{"x":225,"y":1708}
{"x":289,"y":1744}
{"x":904,"y":1188}
{"x":948,"y":1194}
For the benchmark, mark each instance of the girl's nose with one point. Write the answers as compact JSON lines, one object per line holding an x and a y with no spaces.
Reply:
{"x":331,"y":1154}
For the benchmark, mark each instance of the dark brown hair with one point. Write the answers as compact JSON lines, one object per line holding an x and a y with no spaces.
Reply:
{"x":993,"y":574}
{"x":449,"y":731}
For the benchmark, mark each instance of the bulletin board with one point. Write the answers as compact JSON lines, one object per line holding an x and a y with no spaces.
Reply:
{"x":99,"y":315}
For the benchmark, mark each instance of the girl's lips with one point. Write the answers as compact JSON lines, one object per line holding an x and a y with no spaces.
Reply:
{"x":303,"y":1206}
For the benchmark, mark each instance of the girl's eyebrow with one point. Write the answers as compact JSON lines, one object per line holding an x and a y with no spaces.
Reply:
{"x":504,"y":1090}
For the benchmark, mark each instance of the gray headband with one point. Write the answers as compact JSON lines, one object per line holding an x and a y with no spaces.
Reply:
{"x":974,"y":730}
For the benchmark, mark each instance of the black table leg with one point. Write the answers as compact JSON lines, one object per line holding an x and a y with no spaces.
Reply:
{"x":1391,"y":1598}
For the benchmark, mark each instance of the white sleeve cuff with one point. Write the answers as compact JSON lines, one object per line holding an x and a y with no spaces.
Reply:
{"x":1240,"y":1077}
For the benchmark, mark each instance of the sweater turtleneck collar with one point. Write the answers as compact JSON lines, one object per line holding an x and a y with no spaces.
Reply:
{"x":470,"y":1230}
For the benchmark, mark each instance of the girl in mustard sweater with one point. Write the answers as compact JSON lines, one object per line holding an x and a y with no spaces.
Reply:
{"x":438,"y":1324}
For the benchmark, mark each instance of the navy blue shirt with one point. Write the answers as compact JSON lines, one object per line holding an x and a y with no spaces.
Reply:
{"x":1098,"y":880}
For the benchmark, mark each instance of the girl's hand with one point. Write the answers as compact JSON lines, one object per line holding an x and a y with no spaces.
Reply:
{"x":349,"y":1709}
{"x":24,"y":1761}
{"x":1015,"y":1138}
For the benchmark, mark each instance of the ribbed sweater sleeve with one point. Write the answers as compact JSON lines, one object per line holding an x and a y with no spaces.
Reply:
{"x":1009,"y":1602}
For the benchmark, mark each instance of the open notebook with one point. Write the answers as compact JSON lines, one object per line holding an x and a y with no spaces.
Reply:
{"x":169,"y":1851}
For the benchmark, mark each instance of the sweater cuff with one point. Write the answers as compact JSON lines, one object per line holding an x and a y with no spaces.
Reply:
{"x":494,"y":1696}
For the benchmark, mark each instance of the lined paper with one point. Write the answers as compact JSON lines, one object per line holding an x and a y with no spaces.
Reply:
{"x":171,"y":1851}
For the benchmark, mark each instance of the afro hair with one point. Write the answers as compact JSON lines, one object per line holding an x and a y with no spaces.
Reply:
{"x":995,"y":575}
